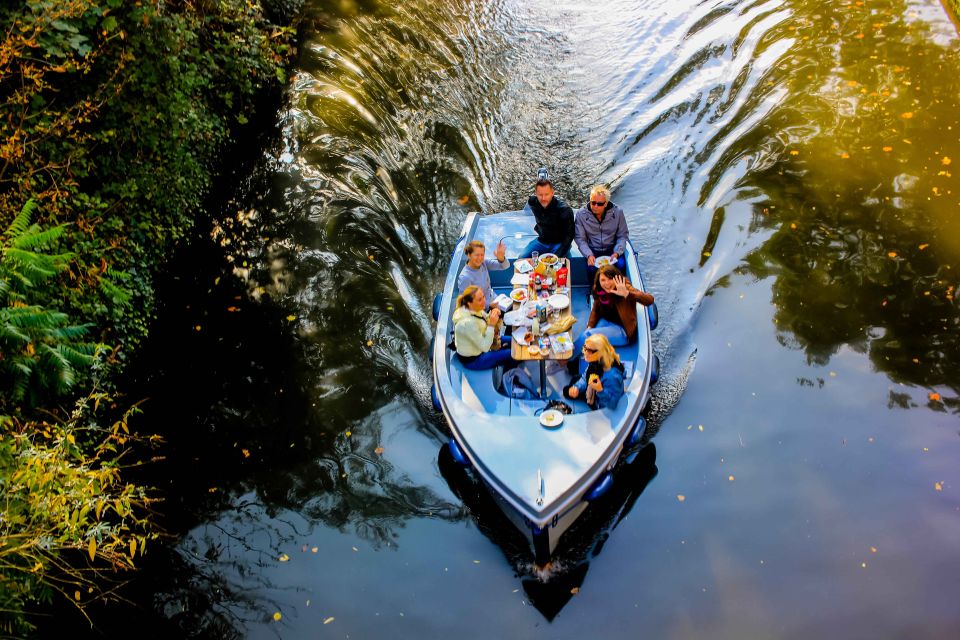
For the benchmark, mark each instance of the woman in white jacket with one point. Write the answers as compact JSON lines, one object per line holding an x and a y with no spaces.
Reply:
{"x":477,"y":332}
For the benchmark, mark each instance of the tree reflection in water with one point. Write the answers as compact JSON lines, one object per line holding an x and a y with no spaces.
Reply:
{"x":851,"y":180}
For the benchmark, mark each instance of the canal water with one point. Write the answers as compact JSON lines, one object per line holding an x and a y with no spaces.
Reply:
{"x":789,"y":173}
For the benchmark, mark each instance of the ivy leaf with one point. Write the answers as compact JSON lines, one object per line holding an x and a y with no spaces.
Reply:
{"x":109,"y":23}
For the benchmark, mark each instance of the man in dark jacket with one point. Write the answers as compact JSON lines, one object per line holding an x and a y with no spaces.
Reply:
{"x":554,"y":218}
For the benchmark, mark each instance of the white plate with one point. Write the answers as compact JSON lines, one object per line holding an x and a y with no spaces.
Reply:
{"x":522,"y":266}
{"x":548,"y":259}
{"x":602,"y":261}
{"x":558,"y":301}
{"x":551,"y":418}
{"x":518,"y":294}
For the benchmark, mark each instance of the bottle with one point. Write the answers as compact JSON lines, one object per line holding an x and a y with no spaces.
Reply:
{"x":535,"y":327}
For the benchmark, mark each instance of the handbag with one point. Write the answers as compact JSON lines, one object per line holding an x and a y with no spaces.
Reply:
{"x":557,"y":405}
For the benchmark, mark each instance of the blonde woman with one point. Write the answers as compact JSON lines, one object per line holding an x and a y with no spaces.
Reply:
{"x":601,"y":385}
{"x":477,"y":332}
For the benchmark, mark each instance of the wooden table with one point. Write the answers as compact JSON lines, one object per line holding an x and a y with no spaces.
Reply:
{"x":522,"y":352}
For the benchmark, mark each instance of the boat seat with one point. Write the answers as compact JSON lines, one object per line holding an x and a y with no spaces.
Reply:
{"x":479,"y":388}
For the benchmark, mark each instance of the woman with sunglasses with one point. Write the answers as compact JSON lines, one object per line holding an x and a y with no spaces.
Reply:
{"x":600,"y":228}
{"x":478,"y":333}
{"x":601,"y":385}
{"x":614,"y":310}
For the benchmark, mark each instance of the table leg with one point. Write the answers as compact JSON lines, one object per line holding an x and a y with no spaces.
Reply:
{"x":543,"y":378}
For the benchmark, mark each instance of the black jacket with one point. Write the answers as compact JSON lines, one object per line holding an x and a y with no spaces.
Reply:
{"x":555,"y":223}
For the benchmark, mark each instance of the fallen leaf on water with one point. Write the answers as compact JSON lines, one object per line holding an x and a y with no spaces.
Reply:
{"x":284,"y":557}
{"x":575,"y":590}
{"x":706,"y":254}
{"x":700,"y":427}
{"x":464,"y":199}
{"x":793,"y":225}
{"x":76,"y":595}
{"x":892,"y":254}
{"x":933,"y":395}
{"x":371,"y":257}
{"x":853,"y":83}
{"x":845,"y":155}
{"x":681,"y":497}
{"x":233,"y":309}
{"x":196,"y":328}
{"x":794,"y":152}
{"x":923,"y":246}
{"x":476,"y":562}
{"x":730,"y":478}
{"x":888,"y":149}
{"x":833,"y":374}
{"x":369,"y":343}
{"x":945,"y":160}
{"x":355,"y":549}
{"x":328,"y":620}
{"x":938,"y":486}
{"x":378,"y":451}
{"x":291,"y":317}
{"x":873,"y":549}
{"x":246,"y":453}
{"x":314,"y":549}
{"x":276,"y":615}
{"x":348,"y":433}
{"x":907,"y":115}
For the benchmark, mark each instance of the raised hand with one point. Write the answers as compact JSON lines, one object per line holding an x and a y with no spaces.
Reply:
{"x":501,"y":251}
{"x":620,"y":286}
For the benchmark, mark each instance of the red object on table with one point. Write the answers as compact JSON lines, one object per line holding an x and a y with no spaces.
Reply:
{"x":562,"y":277}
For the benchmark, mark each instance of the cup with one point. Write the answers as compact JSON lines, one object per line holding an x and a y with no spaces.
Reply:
{"x":535,"y":256}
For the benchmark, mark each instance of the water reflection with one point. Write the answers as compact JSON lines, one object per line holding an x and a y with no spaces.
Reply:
{"x":550,"y":589}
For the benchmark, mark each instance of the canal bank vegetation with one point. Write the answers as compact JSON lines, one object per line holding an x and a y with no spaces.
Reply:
{"x":114,"y":115}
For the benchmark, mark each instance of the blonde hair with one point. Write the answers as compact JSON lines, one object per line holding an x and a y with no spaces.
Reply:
{"x":600,"y":190}
{"x":466,"y":297}
{"x":472,"y":246}
{"x":608,"y":354}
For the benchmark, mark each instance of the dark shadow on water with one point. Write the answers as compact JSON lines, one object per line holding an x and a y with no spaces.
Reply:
{"x":550,"y":589}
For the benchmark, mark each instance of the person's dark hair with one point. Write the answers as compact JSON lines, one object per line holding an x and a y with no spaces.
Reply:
{"x":609,"y":271}
{"x":544,"y":182}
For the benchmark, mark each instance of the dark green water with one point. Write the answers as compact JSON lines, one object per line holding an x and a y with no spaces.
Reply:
{"x":788,"y":172}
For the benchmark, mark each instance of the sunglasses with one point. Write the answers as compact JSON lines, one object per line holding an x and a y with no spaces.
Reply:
{"x":587,"y":349}
{"x":598,"y":204}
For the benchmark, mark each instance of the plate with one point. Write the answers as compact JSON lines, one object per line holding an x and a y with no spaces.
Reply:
{"x":548,"y":259}
{"x":522,"y":336}
{"x":558,"y":301}
{"x":551,"y":418}
{"x":602,"y":261}
{"x":522,"y":266}
{"x":519,"y":295}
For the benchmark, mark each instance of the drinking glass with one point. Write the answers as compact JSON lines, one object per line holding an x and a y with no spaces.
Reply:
{"x":535,"y":256}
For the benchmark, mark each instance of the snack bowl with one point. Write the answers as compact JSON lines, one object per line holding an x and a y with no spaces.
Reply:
{"x":534,"y":349}
{"x":551,"y":418}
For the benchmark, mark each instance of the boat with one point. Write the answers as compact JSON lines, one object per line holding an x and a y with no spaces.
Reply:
{"x":543,"y":478}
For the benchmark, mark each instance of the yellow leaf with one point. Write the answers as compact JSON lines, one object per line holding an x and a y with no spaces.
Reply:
{"x":246,"y":453}
{"x":92,"y":548}
{"x":348,"y":433}
{"x":707,"y":254}
{"x":681,"y":497}
{"x":938,"y":486}
{"x":314,"y":549}
{"x":730,"y":478}
{"x":794,"y":152}
{"x":196,"y":328}
{"x":71,"y":439}
{"x":369,"y":343}
{"x":845,"y":155}
{"x":945,"y":160}
{"x":907,"y":115}
{"x":892,"y":254}
{"x":923,"y":246}
{"x":378,"y":451}
{"x":276,"y":615}
{"x":284,"y":557}
{"x":328,"y":620}
{"x":852,"y":83}
{"x":291,"y":317}
{"x":76,"y":595}
{"x":133,"y":547}
{"x":873,"y":549}
{"x":888,"y":149}
{"x":793,"y":225}
{"x":934,"y":396}
{"x":575,"y":590}
{"x":464,"y":199}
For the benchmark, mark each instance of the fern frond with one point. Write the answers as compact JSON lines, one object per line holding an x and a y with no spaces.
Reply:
{"x":36,"y":237}
{"x":75,"y":356}
{"x":10,"y":333}
{"x":22,"y":221}
{"x":72,"y":332}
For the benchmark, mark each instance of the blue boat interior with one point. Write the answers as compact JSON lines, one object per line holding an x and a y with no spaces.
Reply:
{"x":485,"y":390}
